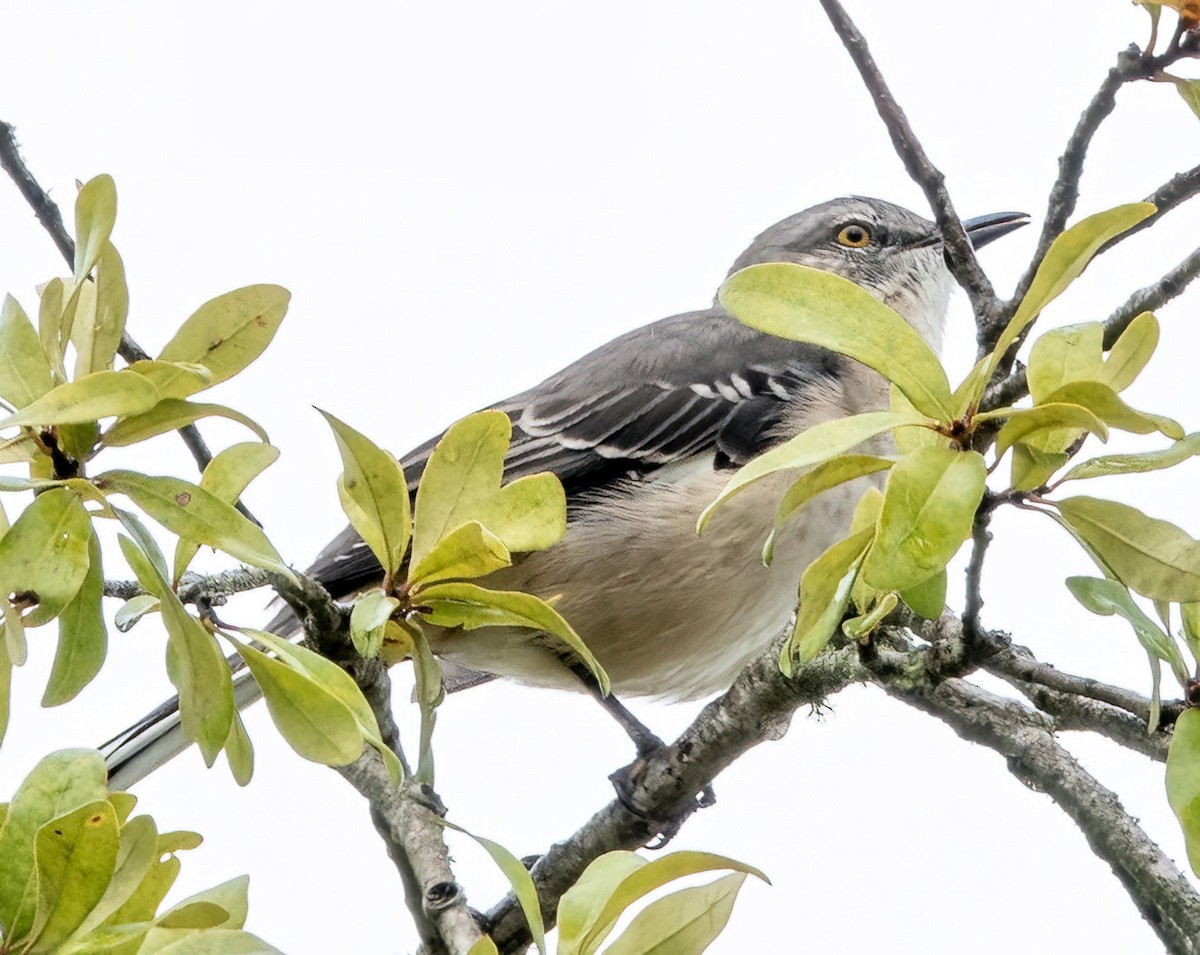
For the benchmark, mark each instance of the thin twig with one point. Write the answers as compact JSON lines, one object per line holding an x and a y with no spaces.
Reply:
{"x":960,"y":255}
{"x":1152,"y":297}
{"x":981,"y":537}
{"x":1181,"y":187}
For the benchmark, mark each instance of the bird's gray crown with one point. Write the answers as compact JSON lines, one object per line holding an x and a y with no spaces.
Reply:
{"x":893,"y":253}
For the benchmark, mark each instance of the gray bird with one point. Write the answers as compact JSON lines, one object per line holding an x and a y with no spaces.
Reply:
{"x":643,"y":432}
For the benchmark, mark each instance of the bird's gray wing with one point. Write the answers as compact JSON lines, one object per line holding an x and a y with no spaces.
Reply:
{"x":700,"y":383}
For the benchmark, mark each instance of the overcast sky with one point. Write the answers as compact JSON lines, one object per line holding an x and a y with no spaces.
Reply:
{"x":464,"y":197}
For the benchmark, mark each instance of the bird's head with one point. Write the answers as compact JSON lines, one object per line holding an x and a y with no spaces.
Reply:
{"x":894,"y":254}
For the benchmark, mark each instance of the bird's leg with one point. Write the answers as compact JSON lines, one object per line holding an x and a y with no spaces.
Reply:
{"x":646,"y":743}
{"x":644,"y":740}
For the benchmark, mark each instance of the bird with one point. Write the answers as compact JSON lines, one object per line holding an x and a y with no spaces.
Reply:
{"x":643,"y":432}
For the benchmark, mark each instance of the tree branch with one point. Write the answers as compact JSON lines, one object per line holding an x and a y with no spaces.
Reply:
{"x":960,"y":255}
{"x":758,"y":707}
{"x":1025,"y":738}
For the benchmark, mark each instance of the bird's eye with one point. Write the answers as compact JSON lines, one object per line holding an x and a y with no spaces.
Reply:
{"x":854,"y":236}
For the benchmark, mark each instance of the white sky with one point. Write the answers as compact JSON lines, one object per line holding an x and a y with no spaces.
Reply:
{"x":463,"y":198}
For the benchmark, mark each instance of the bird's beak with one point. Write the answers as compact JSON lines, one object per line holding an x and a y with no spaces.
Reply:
{"x":983,"y":229}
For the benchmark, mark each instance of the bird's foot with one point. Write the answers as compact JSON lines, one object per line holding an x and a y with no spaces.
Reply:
{"x":662,"y":825}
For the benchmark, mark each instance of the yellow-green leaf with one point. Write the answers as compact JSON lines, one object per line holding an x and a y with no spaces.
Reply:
{"x":1150,"y":556}
{"x":239,"y":751}
{"x":196,"y":514}
{"x":928,"y":598}
{"x":821,"y":308}
{"x":1032,"y":467}
{"x":133,"y":610}
{"x":137,"y":854}
{"x":686,"y":921}
{"x":1063,"y":355}
{"x":58,"y":785}
{"x":195,"y":663}
{"x":98,"y":335}
{"x":1189,"y":91}
{"x":825,"y":589}
{"x":1131,"y":352}
{"x":367,"y":621}
{"x":227,"y":476}
{"x":858,"y":627}
{"x":470,"y":606}
{"x":1136,"y":463}
{"x":928,"y":508}
{"x":374,"y":495}
{"x":171,"y":414}
{"x":1057,"y":416}
{"x":1183,"y":781}
{"x":228,"y":332}
{"x":45,"y":554}
{"x":1105,"y":404}
{"x":174,"y":379}
{"x":102,"y":394}
{"x":76,"y":856}
{"x":469,"y":551}
{"x":1065,"y":260}
{"x":316,"y":724}
{"x":819,"y":443}
{"x":461,"y":483}
{"x":24,"y":370}
{"x":824,"y":476}
{"x":95,"y":213}
{"x":82,"y":637}
{"x":588,"y":910}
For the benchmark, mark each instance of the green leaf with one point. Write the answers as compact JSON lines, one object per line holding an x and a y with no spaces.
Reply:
{"x":909,"y":439}
{"x":1063,"y":355}
{"x":195,"y":514}
{"x":145,"y":541}
{"x":461,"y":483}
{"x":1059,"y":416}
{"x":133,"y":610}
{"x":239,"y":751}
{"x":1189,"y":91}
{"x":966,"y":396}
{"x":928,"y":598}
{"x":485,"y":946}
{"x":97,"y":337}
{"x":95,"y":213}
{"x":174,"y":379}
{"x":227,"y":476}
{"x":1136,"y":463}
{"x":338,"y":682}
{"x":210,"y":942}
{"x":102,"y":394}
{"x":229,"y":897}
{"x":588,"y":910}
{"x":137,"y":853}
{"x":50,"y":313}
{"x":82,"y":637}
{"x":811,"y":305}
{"x":1150,"y":556}
{"x":470,"y":606}
{"x":519,"y":878}
{"x":1103,"y":402}
{"x":228,"y":332}
{"x":1107,"y":597}
{"x":171,"y":414}
{"x":466,"y":552}
{"x":45,"y":554}
{"x":824,"y":596}
{"x":76,"y":856}
{"x":429,"y":692}
{"x":142,"y":905}
{"x":1032,"y":467}
{"x":193,"y":915}
{"x":58,"y":785}
{"x":316,"y":724}
{"x":374,"y":495}
{"x":814,"y":446}
{"x":24,"y":371}
{"x":1183,"y":781}
{"x":1131,"y":352}
{"x":367,"y":621}
{"x":831,"y":474}
{"x":858,"y":627}
{"x":195,"y":663}
{"x":1065,"y":260}
{"x":687,"y":921}
{"x":929,"y":507}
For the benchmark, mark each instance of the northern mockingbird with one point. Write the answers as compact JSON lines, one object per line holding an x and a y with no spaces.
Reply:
{"x":643,"y":432}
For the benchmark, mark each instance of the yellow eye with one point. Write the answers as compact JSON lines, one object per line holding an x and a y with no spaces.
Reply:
{"x":854,"y":236}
